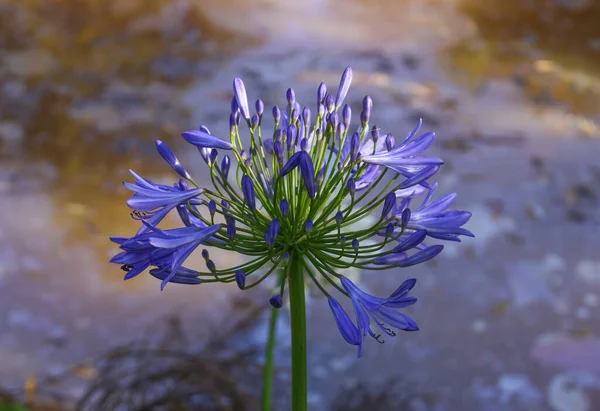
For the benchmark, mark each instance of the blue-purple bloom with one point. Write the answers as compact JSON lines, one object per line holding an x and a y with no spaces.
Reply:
{"x":294,"y":199}
{"x":170,"y":158}
{"x":205,"y":140}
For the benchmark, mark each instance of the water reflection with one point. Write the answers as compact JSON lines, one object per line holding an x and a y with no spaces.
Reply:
{"x":551,"y":48}
{"x":86,"y":85}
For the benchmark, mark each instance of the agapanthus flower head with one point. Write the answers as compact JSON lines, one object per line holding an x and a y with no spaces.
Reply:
{"x":294,"y":198}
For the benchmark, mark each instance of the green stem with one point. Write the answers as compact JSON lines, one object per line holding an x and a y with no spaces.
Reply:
{"x":268,"y":377}
{"x":298,"y":323}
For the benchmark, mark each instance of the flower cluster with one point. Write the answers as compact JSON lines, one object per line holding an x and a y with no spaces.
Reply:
{"x":293,"y":197}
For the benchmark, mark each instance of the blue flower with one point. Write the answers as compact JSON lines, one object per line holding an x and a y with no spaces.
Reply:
{"x":293,"y":196}
{"x":405,"y":160}
{"x":368,"y":308}
{"x":435,"y":218}
{"x":165,"y":249}
{"x":152,"y":202}
{"x":202,"y":139}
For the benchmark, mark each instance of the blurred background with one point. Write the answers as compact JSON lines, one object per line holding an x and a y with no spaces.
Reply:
{"x":509,"y":320}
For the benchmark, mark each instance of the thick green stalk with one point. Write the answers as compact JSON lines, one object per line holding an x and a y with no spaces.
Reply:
{"x":298,"y":323}
{"x":268,"y":377}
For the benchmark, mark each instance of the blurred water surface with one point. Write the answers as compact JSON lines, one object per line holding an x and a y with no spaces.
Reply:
{"x":512,"y":89}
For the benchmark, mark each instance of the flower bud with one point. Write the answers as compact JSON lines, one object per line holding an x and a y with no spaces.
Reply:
{"x":278,"y":150}
{"x":239,"y":90}
{"x":341,"y":129}
{"x":388,"y":204}
{"x":329,"y":103}
{"x":351,"y":186}
{"x":344,"y":86}
{"x":304,"y":144}
{"x":231,"y":230}
{"x":254,"y":121}
{"x":389,"y":230}
{"x":308,"y":226}
{"x":225,"y":164}
{"x":291,"y":96}
{"x":321,"y":91}
{"x":211,"y":266}
{"x":346,"y":115}
{"x":272,"y":233}
{"x":278,"y":134}
{"x":292,"y":131}
{"x":390,"y":142}
{"x":276,"y":301}
{"x":260,"y":107}
{"x":333,"y":119}
{"x":249,"y":194}
{"x":276,"y":114}
{"x":284,"y":207}
{"x":295,"y":116}
{"x":354,"y":147}
{"x":405,"y":218}
{"x":306,"y":117}
{"x":240,"y":279}
{"x":321,"y":110}
{"x":213,"y":155}
{"x":234,"y":105}
{"x":375,"y":134}
{"x":367,"y":108}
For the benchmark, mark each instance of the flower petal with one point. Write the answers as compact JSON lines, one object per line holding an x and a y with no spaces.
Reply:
{"x":205,"y":140}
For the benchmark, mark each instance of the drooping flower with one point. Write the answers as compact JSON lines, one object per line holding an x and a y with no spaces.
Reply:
{"x":296,"y":199}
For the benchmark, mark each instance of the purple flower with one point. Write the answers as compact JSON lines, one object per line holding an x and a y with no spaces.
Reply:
{"x":170,"y":158}
{"x":152,"y":202}
{"x":295,"y":198}
{"x":436,"y":219}
{"x":166,"y":250}
{"x":205,"y":140}
{"x":368,"y":308}
{"x":239,"y":90}
{"x":404,"y":158}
